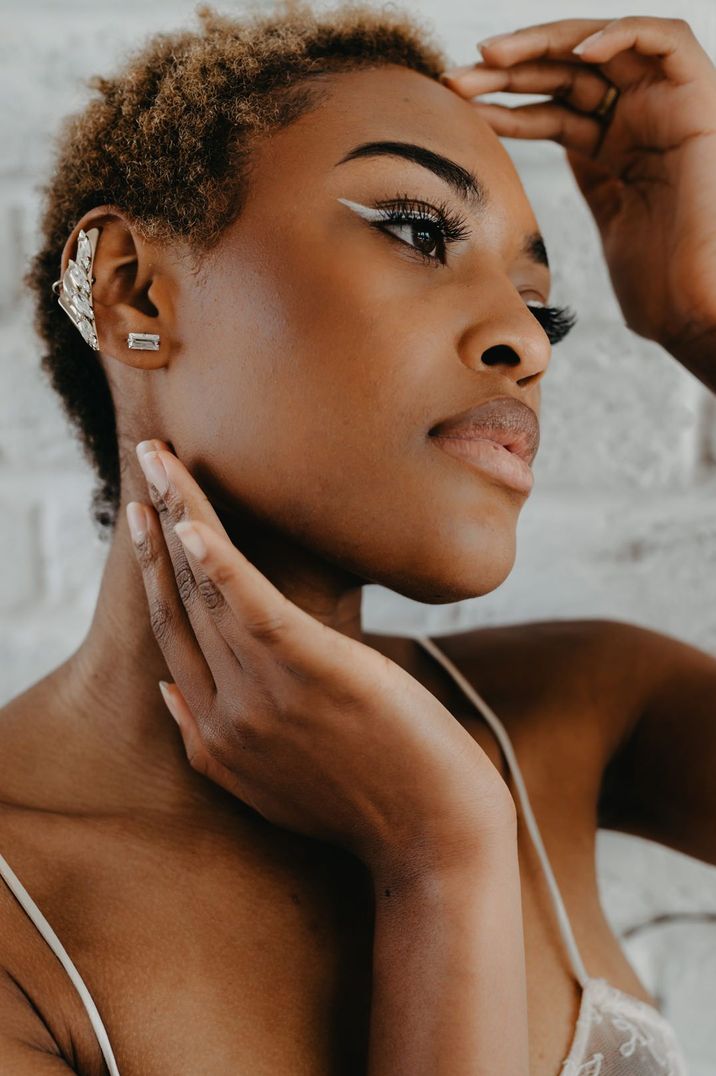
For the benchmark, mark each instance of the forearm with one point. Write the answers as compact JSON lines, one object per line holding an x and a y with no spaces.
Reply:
{"x":697,"y":355}
{"x":449,"y":988}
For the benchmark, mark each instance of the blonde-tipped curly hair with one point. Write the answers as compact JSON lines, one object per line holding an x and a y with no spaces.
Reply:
{"x":168,"y":139}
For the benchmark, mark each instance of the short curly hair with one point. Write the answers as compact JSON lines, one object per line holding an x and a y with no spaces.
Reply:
{"x":168,"y":140}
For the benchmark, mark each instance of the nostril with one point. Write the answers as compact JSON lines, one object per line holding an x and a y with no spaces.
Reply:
{"x":500,"y":353}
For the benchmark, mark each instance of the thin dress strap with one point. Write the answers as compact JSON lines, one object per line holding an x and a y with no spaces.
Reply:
{"x":58,"y":949}
{"x":501,"y":733}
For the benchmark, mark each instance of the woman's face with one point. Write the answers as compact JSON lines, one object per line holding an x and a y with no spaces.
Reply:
{"x":315,"y":351}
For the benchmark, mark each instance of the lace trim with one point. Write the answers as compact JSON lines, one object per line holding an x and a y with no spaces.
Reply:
{"x":646,"y":1035}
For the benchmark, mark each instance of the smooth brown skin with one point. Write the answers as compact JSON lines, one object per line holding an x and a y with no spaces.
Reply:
{"x":329,"y":738}
{"x":206,"y":935}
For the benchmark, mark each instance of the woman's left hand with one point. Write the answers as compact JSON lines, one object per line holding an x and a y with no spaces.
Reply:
{"x":647,"y":170}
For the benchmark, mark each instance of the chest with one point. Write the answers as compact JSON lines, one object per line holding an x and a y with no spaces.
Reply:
{"x":561,"y":770}
{"x":226,"y":959}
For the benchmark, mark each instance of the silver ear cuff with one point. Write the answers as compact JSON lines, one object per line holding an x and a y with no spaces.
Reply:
{"x":74,"y":288}
{"x":74,"y":294}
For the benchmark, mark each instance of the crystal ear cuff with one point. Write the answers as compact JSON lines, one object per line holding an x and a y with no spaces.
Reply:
{"x":74,"y":294}
{"x":74,"y":288}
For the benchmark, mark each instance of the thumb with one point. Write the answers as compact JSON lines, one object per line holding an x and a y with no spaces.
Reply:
{"x":177,"y":706}
{"x":196,"y":752}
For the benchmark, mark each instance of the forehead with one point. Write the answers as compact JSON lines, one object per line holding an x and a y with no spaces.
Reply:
{"x":391,"y":103}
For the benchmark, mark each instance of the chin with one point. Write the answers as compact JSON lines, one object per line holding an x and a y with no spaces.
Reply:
{"x":453,"y":574}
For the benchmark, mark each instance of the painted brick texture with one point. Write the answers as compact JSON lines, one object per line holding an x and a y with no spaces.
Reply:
{"x":622,"y":520}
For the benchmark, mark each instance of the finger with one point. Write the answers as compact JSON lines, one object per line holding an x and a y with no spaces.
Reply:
{"x":193,"y":595}
{"x":183,"y":485}
{"x":177,"y":706}
{"x":181,"y":712}
{"x":669,"y":41}
{"x":546,"y":40}
{"x":623,"y":70}
{"x":176,"y":495}
{"x":167,"y":616}
{"x":582,"y":87}
{"x":544,"y":120}
{"x":198,"y":756}
{"x":261,"y":613}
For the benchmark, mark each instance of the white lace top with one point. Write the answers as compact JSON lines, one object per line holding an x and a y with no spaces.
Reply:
{"x":616,"y":1034}
{"x":620,"y":1035}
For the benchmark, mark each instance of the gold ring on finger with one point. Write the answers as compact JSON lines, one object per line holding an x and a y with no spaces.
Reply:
{"x":607,"y":103}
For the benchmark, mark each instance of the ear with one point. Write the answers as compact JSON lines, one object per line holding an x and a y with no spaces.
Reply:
{"x":132,"y":288}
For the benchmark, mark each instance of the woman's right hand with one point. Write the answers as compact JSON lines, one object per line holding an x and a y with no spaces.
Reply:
{"x":313,"y":729}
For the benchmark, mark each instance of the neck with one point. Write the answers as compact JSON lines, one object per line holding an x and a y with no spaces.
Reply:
{"x":121,"y":748}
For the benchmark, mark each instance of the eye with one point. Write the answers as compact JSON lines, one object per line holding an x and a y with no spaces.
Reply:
{"x":428,"y":226}
{"x":425,"y":227}
{"x":424,"y":235}
{"x":556,"y":321}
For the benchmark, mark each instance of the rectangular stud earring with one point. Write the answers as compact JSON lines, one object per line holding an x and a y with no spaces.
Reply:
{"x":143,"y":341}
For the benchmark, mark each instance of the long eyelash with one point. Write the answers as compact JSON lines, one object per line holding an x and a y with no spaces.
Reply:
{"x":402,"y":209}
{"x":556,"y":321}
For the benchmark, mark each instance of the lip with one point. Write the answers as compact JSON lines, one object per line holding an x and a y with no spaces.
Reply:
{"x":499,"y":436}
{"x":490,"y":458}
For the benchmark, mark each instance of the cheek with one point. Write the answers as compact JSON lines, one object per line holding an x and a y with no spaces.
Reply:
{"x":311,"y":344}
{"x":301,"y":387}
{"x":309,"y":388}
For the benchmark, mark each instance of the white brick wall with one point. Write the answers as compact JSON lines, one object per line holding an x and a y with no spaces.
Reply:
{"x":622,"y":521}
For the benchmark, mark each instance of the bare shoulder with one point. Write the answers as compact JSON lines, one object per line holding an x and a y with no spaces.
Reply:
{"x":558,"y":664}
{"x":578,"y":685}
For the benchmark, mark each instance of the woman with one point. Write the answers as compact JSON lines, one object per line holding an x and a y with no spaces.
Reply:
{"x":318,"y":296}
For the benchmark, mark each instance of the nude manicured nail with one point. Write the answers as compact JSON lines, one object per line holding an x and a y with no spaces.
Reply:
{"x":166,"y":695}
{"x":145,"y":446}
{"x":136,"y":521}
{"x":190,"y":537}
{"x":155,"y":471}
{"x":588,"y":42}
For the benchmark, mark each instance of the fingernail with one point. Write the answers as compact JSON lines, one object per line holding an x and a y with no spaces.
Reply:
{"x":164,"y":688}
{"x":136,"y":521}
{"x":145,"y":446}
{"x":190,"y":537}
{"x":587,"y":43}
{"x":155,"y":471}
{"x":491,"y":40}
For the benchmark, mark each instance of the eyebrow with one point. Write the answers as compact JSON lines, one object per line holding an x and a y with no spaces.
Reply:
{"x":463,"y":182}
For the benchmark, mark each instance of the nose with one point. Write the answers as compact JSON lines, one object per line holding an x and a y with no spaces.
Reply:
{"x":509,"y":336}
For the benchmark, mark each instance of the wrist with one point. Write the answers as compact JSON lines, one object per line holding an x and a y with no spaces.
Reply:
{"x":427,"y":869}
{"x":696,"y":351}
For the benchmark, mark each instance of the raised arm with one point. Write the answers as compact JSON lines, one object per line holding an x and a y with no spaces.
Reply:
{"x":660,"y":782}
{"x":633,"y":102}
